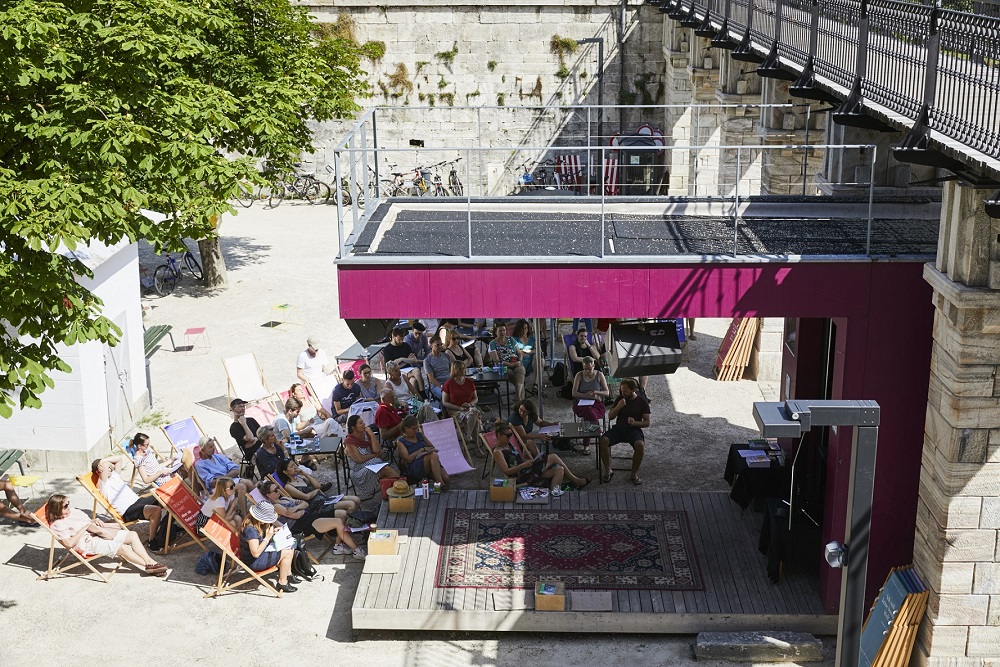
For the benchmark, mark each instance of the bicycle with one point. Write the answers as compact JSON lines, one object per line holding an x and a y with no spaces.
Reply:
{"x":454,"y":182}
{"x":304,"y":186}
{"x":166,"y":276}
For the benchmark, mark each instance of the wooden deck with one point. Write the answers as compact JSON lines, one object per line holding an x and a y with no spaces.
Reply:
{"x":737,"y":594}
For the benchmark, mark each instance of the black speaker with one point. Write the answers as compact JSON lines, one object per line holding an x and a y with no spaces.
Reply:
{"x":369,"y":332}
{"x":645,"y":348}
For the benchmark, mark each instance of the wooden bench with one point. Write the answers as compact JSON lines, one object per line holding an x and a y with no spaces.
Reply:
{"x":154,"y":335}
{"x":8,"y":457}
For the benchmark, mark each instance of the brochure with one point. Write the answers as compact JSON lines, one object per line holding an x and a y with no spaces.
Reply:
{"x":375,"y":466}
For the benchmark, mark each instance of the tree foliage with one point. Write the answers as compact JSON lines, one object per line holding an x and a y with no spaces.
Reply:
{"x":112,"y":106}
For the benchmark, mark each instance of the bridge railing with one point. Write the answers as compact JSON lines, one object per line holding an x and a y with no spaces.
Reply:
{"x":937,"y":66}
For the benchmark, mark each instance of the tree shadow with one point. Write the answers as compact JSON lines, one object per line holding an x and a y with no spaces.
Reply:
{"x":239,"y":253}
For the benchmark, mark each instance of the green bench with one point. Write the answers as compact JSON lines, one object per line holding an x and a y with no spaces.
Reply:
{"x":153,"y":335}
{"x":8,"y":457}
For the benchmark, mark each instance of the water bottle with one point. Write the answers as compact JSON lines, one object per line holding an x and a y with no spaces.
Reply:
{"x":316,"y":444}
{"x":425,"y":488}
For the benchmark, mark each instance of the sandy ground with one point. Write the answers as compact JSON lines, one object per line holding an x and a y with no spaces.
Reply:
{"x":285,"y":256}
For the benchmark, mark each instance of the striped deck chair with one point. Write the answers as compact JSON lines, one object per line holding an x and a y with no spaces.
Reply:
{"x":81,"y":559}
{"x":227,"y":539}
{"x":611,"y":176}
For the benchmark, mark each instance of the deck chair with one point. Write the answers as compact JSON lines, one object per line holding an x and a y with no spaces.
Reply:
{"x":81,"y":559}
{"x":125,"y":447}
{"x":88,"y":480}
{"x":257,"y":497}
{"x":366,"y":409}
{"x":185,"y":434}
{"x":182,"y":507}
{"x":450,"y":443}
{"x":223,"y":536}
{"x":245,"y":379}
{"x":490,"y":440}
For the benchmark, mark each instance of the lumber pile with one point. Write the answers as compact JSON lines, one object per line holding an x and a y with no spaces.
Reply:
{"x":734,"y":352}
{"x":891,"y":628}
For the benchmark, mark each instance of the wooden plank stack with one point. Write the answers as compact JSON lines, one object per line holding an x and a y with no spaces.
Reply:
{"x":734,"y":352}
{"x":891,"y":628}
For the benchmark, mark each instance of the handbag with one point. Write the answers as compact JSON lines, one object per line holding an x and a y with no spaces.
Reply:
{"x":301,"y":567}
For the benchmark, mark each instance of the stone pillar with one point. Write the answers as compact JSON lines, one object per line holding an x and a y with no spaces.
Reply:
{"x":765,"y":360}
{"x":782,"y":170}
{"x":956,"y":548}
{"x":677,"y":121}
{"x":738,"y":84}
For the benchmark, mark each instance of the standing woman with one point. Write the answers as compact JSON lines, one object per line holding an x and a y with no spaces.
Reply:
{"x":458,"y":396}
{"x":75,"y":530}
{"x":419,"y":453}
{"x":370,"y":385}
{"x":588,"y":384}
{"x":453,"y":347}
{"x":362,"y":448}
{"x":258,"y":530}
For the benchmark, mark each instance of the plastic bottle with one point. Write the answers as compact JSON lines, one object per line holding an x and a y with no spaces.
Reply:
{"x":425,"y":487}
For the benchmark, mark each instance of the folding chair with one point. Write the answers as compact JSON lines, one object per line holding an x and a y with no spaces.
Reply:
{"x":88,"y":480}
{"x":82,"y":559}
{"x":128,"y":450}
{"x":222,"y":535}
{"x":182,"y":506}
{"x":185,"y":434}
{"x":366,"y":409}
{"x":245,"y":379}
{"x":257,"y":497}
{"x":450,"y":443}
{"x":490,"y":440}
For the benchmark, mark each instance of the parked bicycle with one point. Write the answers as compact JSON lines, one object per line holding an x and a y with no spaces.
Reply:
{"x":454,"y":182}
{"x":249,"y":194}
{"x":166,"y":276}
{"x":304,"y":186}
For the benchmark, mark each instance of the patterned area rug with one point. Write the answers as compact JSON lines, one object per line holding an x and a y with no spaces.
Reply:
{"x":624,"y":550}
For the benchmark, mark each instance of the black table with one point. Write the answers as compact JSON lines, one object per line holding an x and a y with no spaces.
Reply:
{"x":331,"y":445}
{"x":749,"y":484}
{"x":490,"y":381}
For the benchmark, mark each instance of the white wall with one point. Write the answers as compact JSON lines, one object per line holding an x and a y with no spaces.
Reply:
{"x":73,"y":420}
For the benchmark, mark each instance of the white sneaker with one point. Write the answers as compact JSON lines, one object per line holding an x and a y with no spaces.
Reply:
{"x":556,"y":492}
{"x":341,"y":549}
{"x":359,"y":554}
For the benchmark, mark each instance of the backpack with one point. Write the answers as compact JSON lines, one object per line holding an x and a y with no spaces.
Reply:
{"x":209,"y":563}
{"x":558,"y":377}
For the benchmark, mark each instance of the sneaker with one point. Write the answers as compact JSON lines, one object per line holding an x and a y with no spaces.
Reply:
{"x":359,"y":554}
{"x":557,"y":492}
{"x":154,"y":545}
{"x":341,"y":549}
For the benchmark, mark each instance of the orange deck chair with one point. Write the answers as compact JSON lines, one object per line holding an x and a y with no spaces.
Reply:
{"x":228,"y":541}
{"x":490,"y":440}
{"x":81,"y":559}
{"x":182,"y":507}
{"x":88,"y":480}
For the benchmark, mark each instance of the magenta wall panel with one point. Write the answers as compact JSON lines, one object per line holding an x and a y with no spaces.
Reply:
{"x":884,"y":323}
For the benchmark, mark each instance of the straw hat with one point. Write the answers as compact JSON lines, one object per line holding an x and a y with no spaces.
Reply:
{"x":264,"y":512}
{"x":400,"y":489}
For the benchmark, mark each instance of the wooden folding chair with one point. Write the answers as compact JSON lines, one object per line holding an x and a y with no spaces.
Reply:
{"x":182,"y":507}
{"x":81,"y":559}
{"x":222,"y":535}
{"x":450,"y":443}
{"x":257,"y":497}
{"x":88,"y":480}
{"x":245,"y":380}
{"x":490,"y":440}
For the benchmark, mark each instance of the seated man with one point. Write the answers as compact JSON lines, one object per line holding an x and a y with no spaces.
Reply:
{"x":244,"y":429}
{"x":582,"y":347}
{"x":437,"y":368}
{"x":632,"y":413}
{"x":126,"y":501}
{"x":389,"y":416}
{"x":417,"y":340}
{"x":399,"y":350}
{"x":213,"y":464}
{"x":17,"y":511}
{"x":344,"y":395}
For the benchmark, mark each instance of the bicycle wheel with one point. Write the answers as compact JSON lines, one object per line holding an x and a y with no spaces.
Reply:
{"x":192,"y":264}
{"x":316,"y":192}
{"x":456,"y":187}
{"x":277,"y":195}
{"x":245,"y":195}
{"x":164,"y":280}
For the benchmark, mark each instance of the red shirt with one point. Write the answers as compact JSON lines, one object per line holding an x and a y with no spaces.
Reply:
{"x":459,"y":394}
{"x":387,"y":416}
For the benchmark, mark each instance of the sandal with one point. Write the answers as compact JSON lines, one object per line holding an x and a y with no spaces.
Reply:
{"x":607,"y":478}
{"x":156,"y":568}
{"x":636,"y":480}
{"x":586,"y":481}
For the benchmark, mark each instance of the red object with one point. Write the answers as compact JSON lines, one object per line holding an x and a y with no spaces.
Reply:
{"x":386,"y":484}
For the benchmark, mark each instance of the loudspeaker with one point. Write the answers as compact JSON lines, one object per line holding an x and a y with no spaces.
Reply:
{"x":369,"y":332}
{"x":645,"y":348}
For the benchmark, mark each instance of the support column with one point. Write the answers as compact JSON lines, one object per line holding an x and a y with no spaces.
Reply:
{"x":782,"y":171}
{"x":738,"y":84}
{"x":956,"y":548}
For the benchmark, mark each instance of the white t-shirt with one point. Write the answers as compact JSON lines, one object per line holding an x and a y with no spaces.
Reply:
{"x":312,"y":367}
{"x":281,"y":425}
{"x":213,"y":504}
{"x":150,"y":464}
{"x":402,"y":390}
{"x":118,"y":492}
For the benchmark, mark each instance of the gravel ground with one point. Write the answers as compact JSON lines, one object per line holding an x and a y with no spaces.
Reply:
{"x":286,"y":256}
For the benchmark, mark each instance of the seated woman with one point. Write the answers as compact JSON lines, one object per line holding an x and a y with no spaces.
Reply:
{"x":222,"y":502}
{"x":453,"y":348}
{"x":271,"y":452}
{"x":127,"y":502}
{"x":419,"y":454}
{"x":300,"y":519}
{"x":257,"y":550}
{"x":302,"y":486}
{"x":533,"y":472}
{"x":504,"y":352}
{"x":458,"y":396}
{"x":75,"y":530}
{"x":370,"y":385}
{"x":363,"y":448}
{"x":150,"y":470}
{"x":591,"y":386}
{"x":581,"y":348}
{"x":312,"y":409}
{"x":524,"y":420}
{"x":524,"y":339}
{"x":403,"y":386}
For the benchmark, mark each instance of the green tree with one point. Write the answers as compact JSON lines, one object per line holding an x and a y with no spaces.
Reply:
{"x":112,"y":106}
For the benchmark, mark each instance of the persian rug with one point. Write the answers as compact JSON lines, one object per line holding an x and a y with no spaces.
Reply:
{"x":620,"y":549}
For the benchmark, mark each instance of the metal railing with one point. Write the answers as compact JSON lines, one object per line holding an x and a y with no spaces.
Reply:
{"x":935,"y":66}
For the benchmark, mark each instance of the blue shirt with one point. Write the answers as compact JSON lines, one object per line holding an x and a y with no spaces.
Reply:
{"x":211,"y":469}
{"x":419,"y":344}
{"x":439,"y":367}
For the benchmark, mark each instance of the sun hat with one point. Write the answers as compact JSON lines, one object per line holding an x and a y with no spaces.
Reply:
{"x":400,"y":489}
{"x":264,"y":512}
{"x":313,"y":342}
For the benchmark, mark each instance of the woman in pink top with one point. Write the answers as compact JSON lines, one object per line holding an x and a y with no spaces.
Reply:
{"x":75,"y":530}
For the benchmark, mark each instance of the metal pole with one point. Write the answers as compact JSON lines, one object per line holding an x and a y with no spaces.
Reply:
{"x":365,"y":178}
{"x":871,"y":202}
{"x":805,"y":154}
{"x":376,"y":189}
{"x":604,"y":195}
{"x":736,"y":206}
{"x":697,"y":152}
{"x":468,"y":202}
{"x":479,"y":153}
{"x":340,"y":208}
{"x":539,"y":366}
{"x":856,"y":536}
{"x":590,"y":152}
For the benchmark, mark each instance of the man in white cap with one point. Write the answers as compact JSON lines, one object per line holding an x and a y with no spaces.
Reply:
{"x":310,"y":367}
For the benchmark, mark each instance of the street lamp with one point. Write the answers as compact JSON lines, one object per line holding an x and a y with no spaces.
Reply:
{"x":792,"y":419}
{"x":600,"y":81}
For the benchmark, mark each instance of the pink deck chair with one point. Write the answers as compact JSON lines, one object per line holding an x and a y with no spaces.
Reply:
{"x":452,"y":452}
